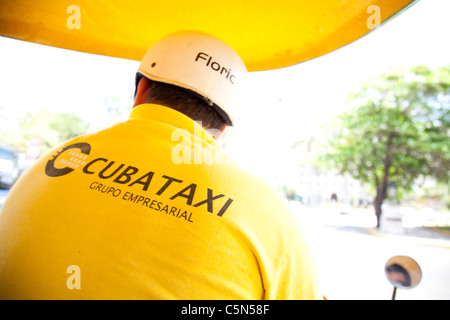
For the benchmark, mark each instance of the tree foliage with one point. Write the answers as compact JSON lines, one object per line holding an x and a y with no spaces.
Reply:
{"x":51,"y":128}
{"x":397,"y":131}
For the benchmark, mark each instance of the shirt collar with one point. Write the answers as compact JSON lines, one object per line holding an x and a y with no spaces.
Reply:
{"x":171,"y":117}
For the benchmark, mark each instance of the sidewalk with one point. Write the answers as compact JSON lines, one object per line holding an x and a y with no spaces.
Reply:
{"x":419,"y":236}
{"x":364,"y":222}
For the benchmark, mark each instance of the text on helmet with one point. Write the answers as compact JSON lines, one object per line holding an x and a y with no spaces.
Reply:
{"x":216,"y":66}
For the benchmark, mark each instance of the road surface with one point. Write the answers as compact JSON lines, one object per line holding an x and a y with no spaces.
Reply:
{"x":351,"y":260}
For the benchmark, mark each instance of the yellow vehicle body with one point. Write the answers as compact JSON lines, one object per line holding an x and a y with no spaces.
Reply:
{"x":266,"y":34}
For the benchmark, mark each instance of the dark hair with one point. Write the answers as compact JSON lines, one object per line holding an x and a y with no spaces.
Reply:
{"x":185,"y":101}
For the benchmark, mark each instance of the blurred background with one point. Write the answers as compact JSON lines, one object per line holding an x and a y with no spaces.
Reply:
{"x":356,"y":141}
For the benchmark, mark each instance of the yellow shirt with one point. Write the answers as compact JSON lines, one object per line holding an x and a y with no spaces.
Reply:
{"x":149,"y":209}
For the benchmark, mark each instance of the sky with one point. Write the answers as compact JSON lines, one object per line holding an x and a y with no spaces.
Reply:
{"x":308,"y":95}
{"x":317,"y":89}
{"x":285,"y":105}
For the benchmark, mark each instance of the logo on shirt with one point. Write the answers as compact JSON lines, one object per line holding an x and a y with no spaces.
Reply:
{"x":69,"y":161}
{"x":111,"y":176}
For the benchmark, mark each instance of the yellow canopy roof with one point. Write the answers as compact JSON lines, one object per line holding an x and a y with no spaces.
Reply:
{"x":267,"y":34}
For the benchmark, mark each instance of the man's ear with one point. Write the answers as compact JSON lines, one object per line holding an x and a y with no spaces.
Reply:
{"x":142,"y":91}
{"x":219,"y":133}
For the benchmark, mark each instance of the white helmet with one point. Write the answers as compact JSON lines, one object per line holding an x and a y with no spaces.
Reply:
{"x":201,"y":63}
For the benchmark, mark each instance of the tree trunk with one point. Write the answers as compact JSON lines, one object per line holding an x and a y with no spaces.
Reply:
{"x":382,"y":185}
{"x":381,"y":195}
{"x":377,"y":206}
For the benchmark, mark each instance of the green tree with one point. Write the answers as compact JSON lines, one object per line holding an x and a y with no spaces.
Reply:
{"x":397,"y":131}
{"x":51,"y":128}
